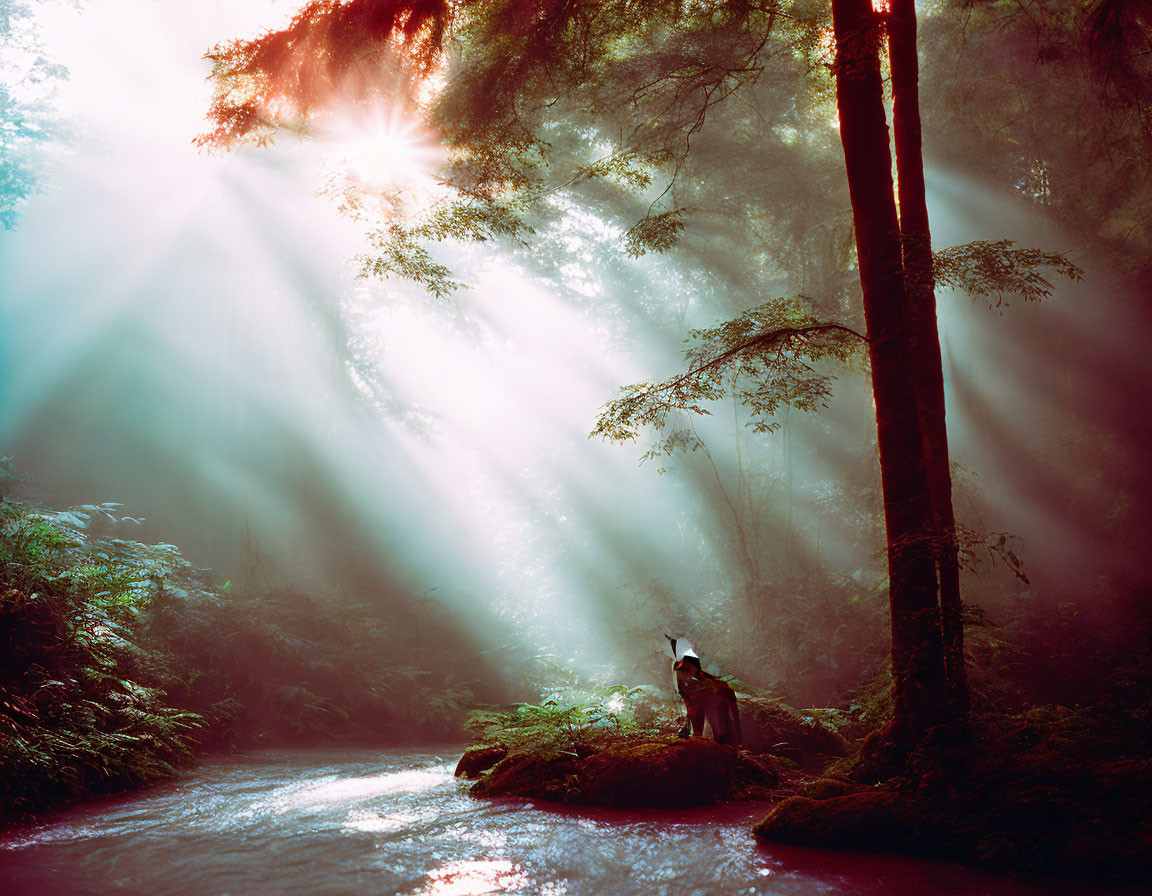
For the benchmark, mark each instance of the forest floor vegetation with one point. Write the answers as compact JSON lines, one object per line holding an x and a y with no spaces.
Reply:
{"x":1050,"y":790}
{"x":619,"y":746}
{"x":1040,"y":791}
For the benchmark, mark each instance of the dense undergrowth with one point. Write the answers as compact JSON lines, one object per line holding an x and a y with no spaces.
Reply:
{"x":574,"y":720}
{"x":119,"y":662}
{"x":1053,"y":775}
{"x":74,"y":718}
{"x":1047,"y":790}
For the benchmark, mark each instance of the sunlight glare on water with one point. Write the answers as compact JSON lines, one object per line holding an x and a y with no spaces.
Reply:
{"x":359,"y":788}
{"x":475,"y":878}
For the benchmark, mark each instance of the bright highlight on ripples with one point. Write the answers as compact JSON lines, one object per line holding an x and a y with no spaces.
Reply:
{"x":477,"y":878}
{"x":377,"y":823}
{"x":346,"y":790}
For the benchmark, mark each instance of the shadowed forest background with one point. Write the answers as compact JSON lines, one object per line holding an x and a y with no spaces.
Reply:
{"x":334,"y":354}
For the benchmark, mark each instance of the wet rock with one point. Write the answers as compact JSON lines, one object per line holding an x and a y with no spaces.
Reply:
{"x":880,"y":821}
{"x":760,"y":777}
{"x":637,"y":774}
{"x":826,"y":788}
{"x":654,"y":774}
{"x":761,"y":770}
{"x":478,"y":759}
{"x":532,"y":776}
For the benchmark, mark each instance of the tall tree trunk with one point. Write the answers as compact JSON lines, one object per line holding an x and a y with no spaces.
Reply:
{"x":917,"y":249}
{"x":920,"y":692}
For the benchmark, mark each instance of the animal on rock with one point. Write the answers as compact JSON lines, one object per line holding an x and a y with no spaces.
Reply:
{"x":708,"y":700}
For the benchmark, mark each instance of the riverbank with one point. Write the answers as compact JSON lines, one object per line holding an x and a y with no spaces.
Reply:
{"x":1048,"y":791}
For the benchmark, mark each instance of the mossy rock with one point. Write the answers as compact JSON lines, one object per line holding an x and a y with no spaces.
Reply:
{"x":763,"y":778}
{"x":832,"y":786}
{"x":478,"y":758}
{"x":637,"y":774}
{"x":1040,"y":810}
{"x":531,"y":776}
{"x":656,"y":774}
{"x":870,"y":821}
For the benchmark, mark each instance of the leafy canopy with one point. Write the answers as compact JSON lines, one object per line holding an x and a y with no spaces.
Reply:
{"x":767,"y":357}
{"x":649,"y":114}
{"x":531,"y":99}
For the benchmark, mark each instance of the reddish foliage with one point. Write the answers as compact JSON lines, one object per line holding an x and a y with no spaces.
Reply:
{"x":330,"y":46}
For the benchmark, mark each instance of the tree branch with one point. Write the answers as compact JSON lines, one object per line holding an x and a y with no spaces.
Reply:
{"x":768,"y":338}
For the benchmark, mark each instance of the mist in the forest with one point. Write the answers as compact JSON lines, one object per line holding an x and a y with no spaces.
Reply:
{"x":1047,"y":403}
{"x":183,"y":333}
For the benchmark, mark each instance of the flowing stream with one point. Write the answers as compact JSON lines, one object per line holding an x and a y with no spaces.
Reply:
{"x":397,"y":822}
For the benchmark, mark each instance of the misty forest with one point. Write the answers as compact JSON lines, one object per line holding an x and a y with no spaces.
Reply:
{"x":575,"y":447}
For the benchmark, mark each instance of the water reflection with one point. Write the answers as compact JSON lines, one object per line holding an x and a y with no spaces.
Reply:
{"x":327,"y":823}
{"x":476,"y":878}
{"x":376,"y":823}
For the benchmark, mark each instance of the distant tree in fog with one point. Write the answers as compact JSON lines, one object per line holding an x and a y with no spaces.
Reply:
{"x":27,"y":123}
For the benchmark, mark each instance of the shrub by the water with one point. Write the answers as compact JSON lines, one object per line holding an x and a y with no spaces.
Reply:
{"x":119,"y":662}
{"x":74,"y":720}
{"x":574,"y":722}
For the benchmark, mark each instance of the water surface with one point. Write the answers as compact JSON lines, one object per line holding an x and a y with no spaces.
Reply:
{"x":397,"y":822}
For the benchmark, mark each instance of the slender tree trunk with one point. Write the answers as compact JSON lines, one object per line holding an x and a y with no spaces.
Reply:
{"x":917,"y":647}
{"x":917,"y":249}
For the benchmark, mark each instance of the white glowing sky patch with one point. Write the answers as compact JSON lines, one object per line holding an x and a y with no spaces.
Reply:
{"x":383,"y":148}
{"x":532,"y":361}
{"x":145,"y":72}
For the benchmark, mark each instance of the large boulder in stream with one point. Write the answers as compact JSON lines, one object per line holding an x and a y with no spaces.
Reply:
{"x":869,"y":821}
{"x":687,"y":772}
{"x":639,"y":774}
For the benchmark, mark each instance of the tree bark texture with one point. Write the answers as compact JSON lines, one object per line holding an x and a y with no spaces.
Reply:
{"x":919,"y":684}
{"x":917,"y":254}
